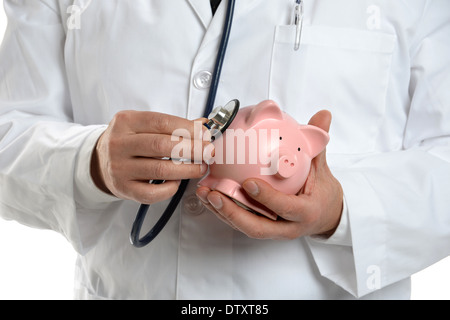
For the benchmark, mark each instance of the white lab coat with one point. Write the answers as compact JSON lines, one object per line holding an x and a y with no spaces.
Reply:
{"x":381,"y":67}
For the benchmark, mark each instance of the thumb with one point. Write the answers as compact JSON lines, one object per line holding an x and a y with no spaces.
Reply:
{"x":321,"y":119}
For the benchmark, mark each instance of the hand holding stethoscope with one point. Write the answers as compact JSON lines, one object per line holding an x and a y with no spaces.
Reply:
{"x":136,"y":146}
{"x":131,"y":151}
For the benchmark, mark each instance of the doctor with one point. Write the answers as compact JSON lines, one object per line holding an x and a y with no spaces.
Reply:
{"x":90,"y":92}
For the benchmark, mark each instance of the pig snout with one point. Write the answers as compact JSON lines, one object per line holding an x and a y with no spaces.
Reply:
{"x":287,"y":166}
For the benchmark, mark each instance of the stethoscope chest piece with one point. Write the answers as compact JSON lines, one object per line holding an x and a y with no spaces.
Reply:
{"x":221,"y":118}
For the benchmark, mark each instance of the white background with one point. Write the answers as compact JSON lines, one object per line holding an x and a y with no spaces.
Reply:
{"x":39,"y":264}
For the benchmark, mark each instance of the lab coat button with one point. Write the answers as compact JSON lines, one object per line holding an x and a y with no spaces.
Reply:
{"x":202,"y":80}
{"x":193,"y":205}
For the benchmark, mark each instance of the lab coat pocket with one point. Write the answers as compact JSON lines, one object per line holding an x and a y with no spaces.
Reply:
{"x":343,"y":70}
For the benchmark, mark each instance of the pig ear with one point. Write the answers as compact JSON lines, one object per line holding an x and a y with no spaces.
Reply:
{"x":267,"y":109}
{"x":316,"y":139}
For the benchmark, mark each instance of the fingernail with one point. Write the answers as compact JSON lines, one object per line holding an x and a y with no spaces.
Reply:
{"x":216,"y":201}
{"x":202,"y":195}
{"x":204,"y":168}
{"x":251,"y":187}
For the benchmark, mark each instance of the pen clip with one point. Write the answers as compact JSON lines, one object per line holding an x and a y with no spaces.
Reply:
{"x":298,"y":22}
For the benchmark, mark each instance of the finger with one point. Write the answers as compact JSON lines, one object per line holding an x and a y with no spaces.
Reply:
{"x":154,"y":122}
{"x":321,"y":119}
{"x":145,"y":169}
{"x":227,"y":211}
{"x":252,"y":225}
{"x":202,"y":120}
{"x":289,"y":207}
{"x":146,"y":193}
{"x":319,"y":162}
{"x":161,"y":145}
{"x":202,"y":194}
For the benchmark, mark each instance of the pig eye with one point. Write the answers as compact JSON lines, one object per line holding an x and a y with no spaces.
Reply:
{"x":281,"y":138}
{"x":299,"y":149}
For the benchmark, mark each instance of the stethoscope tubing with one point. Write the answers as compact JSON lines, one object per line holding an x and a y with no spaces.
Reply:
{"x":220,"y":58}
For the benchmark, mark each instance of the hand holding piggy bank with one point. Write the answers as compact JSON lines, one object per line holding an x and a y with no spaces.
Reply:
{"x":266,"y":143}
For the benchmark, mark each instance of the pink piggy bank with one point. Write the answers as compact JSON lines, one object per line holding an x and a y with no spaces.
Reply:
{"x":266,"y":143}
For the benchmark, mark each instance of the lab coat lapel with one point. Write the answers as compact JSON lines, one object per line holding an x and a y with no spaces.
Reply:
{"x":203,"y":10}
{"x":215,"y":25}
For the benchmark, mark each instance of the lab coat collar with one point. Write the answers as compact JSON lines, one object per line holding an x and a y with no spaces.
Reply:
{"x":214,"y":26}
{"x":203,"y":10}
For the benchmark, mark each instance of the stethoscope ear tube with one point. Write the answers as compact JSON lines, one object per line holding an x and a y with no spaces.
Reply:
{"x":142,"y":212}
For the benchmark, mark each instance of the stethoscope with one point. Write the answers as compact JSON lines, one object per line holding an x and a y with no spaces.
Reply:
{"x":218,"y":121}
